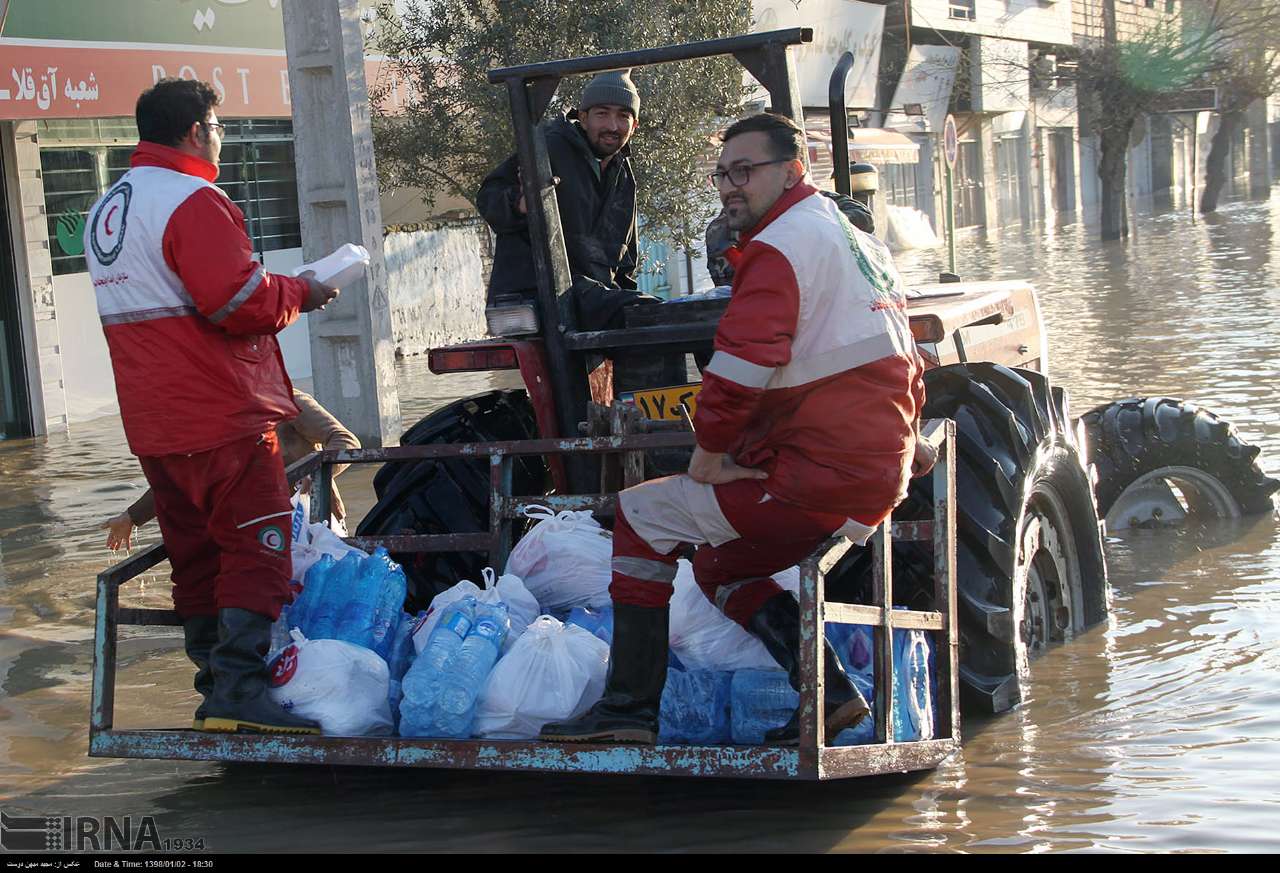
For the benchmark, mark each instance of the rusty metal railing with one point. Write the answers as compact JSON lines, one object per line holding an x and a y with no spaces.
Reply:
{"x":814,"y":759}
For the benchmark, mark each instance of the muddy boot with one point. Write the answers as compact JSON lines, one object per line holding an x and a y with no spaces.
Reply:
{"x":777,"y":625}
{"x":628,"y":712}
{"x":201,"y":635}
{"x":240,"y":703}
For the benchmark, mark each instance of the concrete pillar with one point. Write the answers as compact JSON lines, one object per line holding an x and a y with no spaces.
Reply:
{"x":1259,"y":147}
{"x":43,"y":346}
{"x":926,"y":183}
{"x":990,"y":173}
{"x":352,"y":347}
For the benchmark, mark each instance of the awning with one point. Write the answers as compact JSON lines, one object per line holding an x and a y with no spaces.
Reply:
{"x":870,"y":144}
{"x":927,"y":80}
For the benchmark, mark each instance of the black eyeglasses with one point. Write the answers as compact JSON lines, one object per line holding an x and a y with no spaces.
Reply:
{"x":740,"y":175}
{"x":222,"y":128}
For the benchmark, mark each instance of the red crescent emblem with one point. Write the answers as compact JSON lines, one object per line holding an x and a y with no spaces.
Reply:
{"x":106,"y":222}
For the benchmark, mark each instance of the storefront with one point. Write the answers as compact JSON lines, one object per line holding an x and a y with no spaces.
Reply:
{"x":70,"y":73}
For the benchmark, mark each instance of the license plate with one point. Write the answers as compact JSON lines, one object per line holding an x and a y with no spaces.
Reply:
{"x":663,"y":404}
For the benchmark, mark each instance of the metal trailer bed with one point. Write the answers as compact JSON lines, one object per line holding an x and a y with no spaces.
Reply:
{"x":812,"y":760}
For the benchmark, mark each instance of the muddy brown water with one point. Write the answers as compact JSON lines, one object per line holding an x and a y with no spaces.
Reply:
{"x":1157,"y":731}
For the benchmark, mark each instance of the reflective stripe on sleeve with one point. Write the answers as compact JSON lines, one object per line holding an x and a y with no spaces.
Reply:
{"x":245,"y":292}
{"x":738,"y":370}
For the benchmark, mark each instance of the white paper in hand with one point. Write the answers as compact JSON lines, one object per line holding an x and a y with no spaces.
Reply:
{"x":342,"y":267}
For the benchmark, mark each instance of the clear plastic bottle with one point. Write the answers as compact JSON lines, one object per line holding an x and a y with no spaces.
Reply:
{"x":466,"y":674}
{"x":312,"y":590}
{"x":695,"y":707}
{"x":323,"y":616}
{"x":761,"y":701}
{"x":389,"y":612}
{"x":421,"y":685}
{"x":356,"y":621}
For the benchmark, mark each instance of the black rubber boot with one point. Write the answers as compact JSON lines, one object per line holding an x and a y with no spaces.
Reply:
{"x":777,"y":625}
{"x":240,"y":703}
{"x":628,"y":712}
{"x":201,"y":635}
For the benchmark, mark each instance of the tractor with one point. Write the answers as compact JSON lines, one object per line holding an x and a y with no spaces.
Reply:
{"x":1036,"y":490}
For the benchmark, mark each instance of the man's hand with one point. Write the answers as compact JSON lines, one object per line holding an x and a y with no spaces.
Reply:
{"x":717,"y":468}
{"x":521,"y":206}
{"x":119,"y":532}
{"x":318,"y":296}
{"x":925,"y":457}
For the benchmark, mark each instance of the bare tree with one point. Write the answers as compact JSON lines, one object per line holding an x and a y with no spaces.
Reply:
{"x":1246,"y":69}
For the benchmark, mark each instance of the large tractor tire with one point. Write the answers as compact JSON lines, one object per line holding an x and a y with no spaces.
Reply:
{"x":451,"y":496}
{"x":1161,"y":461}
{"x":1030,"y":566}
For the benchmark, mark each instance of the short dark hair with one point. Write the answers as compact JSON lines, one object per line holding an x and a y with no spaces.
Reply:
{"x":786,"y":138}
{"x":166,"y":110}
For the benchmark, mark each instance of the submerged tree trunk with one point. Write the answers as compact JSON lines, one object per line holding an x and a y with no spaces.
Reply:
{"x":1215,"y":166}
{"x":1112,"y":166}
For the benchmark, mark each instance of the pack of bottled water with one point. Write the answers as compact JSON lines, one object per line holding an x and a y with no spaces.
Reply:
{"x":359,"y":600}
{"x":695,"y":707}
{"x":442,"y":685}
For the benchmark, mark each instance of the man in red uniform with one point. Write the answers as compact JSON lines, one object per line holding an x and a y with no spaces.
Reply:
{"x":807,"y":427}
{"x":190,"y":320}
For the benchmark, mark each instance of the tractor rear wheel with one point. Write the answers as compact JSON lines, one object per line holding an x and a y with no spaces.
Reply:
{"x":451,"y":496}
{"x":1160,"y":461}
{"x":1030,"y":566}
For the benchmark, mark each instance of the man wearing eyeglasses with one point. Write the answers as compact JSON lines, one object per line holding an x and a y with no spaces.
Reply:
{"x":806,"y":428}
{"x":190,"y":320}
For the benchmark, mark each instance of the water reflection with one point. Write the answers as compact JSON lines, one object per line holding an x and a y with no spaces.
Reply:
{"x":1156,"y":731}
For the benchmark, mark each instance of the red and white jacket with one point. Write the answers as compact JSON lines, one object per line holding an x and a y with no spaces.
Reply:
{"x":815,"y":376}
{"x":190,"y":317}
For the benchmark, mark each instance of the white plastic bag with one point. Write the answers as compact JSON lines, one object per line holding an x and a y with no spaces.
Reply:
{"x":340,"y":267}
{"x":566,"y":560}
{"x":522,"y":608}
{"x":554,"y":672}
{"x":704,"y":638}
{"x":342,"y":686}
{"x":318,"y":541}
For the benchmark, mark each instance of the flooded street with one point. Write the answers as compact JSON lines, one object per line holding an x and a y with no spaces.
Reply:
{"x":1157,"y":731}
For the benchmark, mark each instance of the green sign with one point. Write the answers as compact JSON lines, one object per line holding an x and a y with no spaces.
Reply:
{"x":241,"y":24}
{"x":70,"y":233}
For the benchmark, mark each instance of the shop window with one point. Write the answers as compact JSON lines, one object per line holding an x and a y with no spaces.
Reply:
{"x":82,"y":158}
{"x":898,"y":184}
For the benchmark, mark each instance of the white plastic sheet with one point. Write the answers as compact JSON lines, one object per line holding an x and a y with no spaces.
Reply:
{"x":703,"y":638}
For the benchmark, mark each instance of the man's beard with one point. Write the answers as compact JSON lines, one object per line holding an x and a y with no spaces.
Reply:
{"x":601,"y":150}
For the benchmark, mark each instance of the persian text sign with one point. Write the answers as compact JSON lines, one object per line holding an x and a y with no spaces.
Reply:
{"x":42,"y":81}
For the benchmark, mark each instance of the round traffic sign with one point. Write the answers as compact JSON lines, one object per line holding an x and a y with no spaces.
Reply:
{"x":950,"y":141}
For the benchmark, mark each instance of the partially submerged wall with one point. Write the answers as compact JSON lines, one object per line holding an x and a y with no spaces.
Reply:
{"x":436,"y":277}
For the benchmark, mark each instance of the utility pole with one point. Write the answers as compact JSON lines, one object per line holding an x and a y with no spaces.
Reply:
{"x":352,"y":352}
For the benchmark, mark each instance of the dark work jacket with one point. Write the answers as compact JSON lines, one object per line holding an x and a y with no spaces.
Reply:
{"x":597,"y":214}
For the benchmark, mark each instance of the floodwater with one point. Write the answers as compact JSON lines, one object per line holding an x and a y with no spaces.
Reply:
{"x":1157,"y":731}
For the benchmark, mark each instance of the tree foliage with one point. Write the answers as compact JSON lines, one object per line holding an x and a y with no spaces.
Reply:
{"x":457,"y":126}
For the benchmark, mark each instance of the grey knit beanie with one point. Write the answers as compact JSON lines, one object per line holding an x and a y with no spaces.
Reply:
{"x":614,"y":88}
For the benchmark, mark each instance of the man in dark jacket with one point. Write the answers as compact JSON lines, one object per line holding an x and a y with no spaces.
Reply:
{"x":596,"y":192}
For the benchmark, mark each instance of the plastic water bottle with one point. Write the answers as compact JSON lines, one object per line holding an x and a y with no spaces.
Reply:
{"x":401,"y":655}
{"x":312,"y":590}
{"x":695,"y":707}
{"x":280,"y":634}
{"x":421,"y":685}
{"x":597,"y":622}
{"x":761,"y":700}
{"x":324,"y":615}
{"x":389,"y":611}
{"x":466,"y":674}
{"x":356,"y":618}
{"x":913,"y":707}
